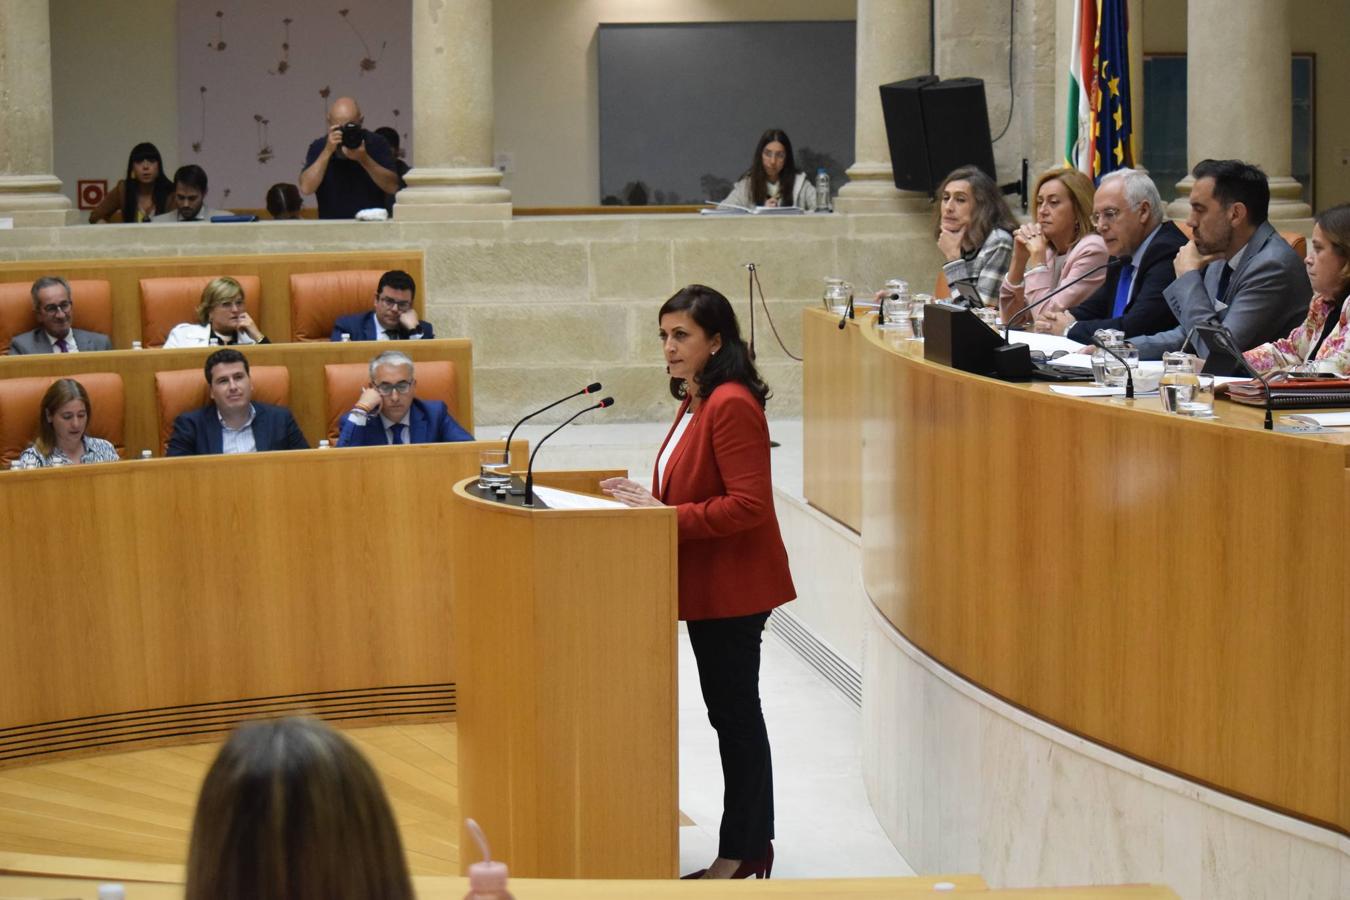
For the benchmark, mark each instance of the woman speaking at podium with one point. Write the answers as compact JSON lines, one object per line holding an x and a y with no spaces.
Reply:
{"x":714,"y":469}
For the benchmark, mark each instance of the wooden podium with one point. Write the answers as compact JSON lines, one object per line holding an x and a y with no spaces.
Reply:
{"x":564,"y":625}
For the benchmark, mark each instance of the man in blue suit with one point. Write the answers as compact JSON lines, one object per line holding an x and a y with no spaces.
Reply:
{"x":388,"y":412}
{"x":232,"y":422}
{"x":392,"y":319}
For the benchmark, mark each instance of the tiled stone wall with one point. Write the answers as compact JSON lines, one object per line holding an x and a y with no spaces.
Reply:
{"x":552,"y":302}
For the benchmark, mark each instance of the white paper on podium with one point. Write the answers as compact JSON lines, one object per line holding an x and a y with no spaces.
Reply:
{"x":558,"y":499}
{"x":1072,"y":390}
{"x":1046,"y":343}
{"x":1326,"y":420}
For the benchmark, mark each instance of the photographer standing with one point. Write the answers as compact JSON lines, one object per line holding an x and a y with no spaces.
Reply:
{"x":351,"y":169}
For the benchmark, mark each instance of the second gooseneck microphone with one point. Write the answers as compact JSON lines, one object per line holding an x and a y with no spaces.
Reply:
{"x":588,"y":389}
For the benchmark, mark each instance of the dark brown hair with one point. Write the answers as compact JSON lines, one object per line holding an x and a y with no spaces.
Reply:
{"x":787,"y":177}
{"x":1335,"y":225}
{"x":713,"y":313}
{"x":991,"y":210}
{"x":291,"y":811}
{"x":62,"y":391}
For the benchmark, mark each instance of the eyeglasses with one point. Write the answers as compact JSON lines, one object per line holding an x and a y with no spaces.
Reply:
{"x":52,"y":309}
{"x":400,"y":305}
{"x":1106,"y":216}
{"x":1041,"y":356}
{"x":401,"y":387}
{"x":774,"y":154}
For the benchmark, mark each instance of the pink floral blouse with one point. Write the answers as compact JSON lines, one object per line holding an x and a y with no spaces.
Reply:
{"x":1293,"y":350}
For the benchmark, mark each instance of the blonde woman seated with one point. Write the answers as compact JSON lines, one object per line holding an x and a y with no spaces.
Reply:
{"x":291,"y":811}
{"x":1059,"y":246}
{"x":221,"y":319}
{"x":61,"y":438}
{"x":1324,"y":337}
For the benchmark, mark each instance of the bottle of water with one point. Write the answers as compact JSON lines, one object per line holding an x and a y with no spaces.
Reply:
{"x":823,"y":201}
{"x":135,"y":345}
{"x":146,"y":454}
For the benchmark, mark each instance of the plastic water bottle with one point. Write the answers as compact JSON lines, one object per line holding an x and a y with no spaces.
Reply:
{"x":112,"y":892}
{"x":823,"y":201}
{"x":487,"y":879}
{"x":346,"y":337}
{"x":146,"y":454}
{"x":324,"y":445}
{"x":136,"y":345}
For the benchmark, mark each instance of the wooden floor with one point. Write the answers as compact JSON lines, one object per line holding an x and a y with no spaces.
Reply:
{"x":138,"y":806}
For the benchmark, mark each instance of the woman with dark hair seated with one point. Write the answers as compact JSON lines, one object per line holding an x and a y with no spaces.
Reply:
{"x":61,"y":438}
{"x":291,"y":811}
{"x":284,"y":201}
{"x":973,"y":227}
{"x":773,"y":179}
{"x":143,"y":194}
{"x":1324,"y":337}
{"x":733,"y":568}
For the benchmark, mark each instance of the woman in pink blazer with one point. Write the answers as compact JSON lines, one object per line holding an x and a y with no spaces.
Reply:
{"x":714,"y":469}
{"x":1058,"y":247}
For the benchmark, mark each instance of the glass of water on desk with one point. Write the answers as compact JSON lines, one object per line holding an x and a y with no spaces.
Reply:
{"x":1178,"y":379}
{"x":1195,"y":400}
{"x":916,"y":311}
{"x":493,"y":471}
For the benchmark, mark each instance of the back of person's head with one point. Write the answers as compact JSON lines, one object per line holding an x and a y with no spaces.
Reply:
{"x":1238,"y":182}
{"x":787,"y":176}
{"x":713,"y":313}
{"x":191,"y":175}
{"x":45,"y":282}
{"x":1081,"y":191}
{"x":990,"y":209}
{"x":390,"y":137}
{"x":1139,"y":188}
{"x":284,"y":201}
{"x":217,"y":291}
{"x":397,"y":279}
{"x":1335,"y":225}
{"x":62,"y":391}
{"x":291,"y":811}
{"x":223,"y":356}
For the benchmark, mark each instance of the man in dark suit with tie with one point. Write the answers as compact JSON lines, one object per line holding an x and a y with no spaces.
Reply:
{"x":392,"y":319}
{"x":1237,"y":272}
{"x":387,"y":411}
{"x":55,"y":311}
{"x":1128,"y":214}
{"x":232,"y":422}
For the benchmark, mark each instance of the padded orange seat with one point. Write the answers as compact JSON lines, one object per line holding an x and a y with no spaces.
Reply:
{"x":21,"y":403}
{"x":319,"y":299}
{"x":179,"y":390}
{"x":93,"y":309}
{"x":342,"y":383}
{"x":166,"y":302}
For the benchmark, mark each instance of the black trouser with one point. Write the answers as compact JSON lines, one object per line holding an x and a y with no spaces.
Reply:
{"x":727,"y":651}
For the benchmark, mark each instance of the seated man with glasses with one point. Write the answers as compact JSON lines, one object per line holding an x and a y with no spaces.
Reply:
{"x":55,"y":311}
{"x":392,"y":319}
{"x":222,"y":319}
{"x":402,"y":418}
{"x":1128,"y":214}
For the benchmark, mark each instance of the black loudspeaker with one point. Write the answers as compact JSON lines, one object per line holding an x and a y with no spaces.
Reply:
{"x":955,"y":336}
{"x":934,"y":127}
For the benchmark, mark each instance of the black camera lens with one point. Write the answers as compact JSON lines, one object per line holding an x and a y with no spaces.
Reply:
{"x":351,"y":135}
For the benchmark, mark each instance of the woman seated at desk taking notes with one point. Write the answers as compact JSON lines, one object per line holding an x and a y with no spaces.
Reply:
{"x":61,"y":438}
{"x":773,"y":167}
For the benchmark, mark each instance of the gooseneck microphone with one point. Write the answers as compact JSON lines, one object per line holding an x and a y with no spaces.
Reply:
{"x":1112,"y":264}
{"x":529,"y":472}
{"x":848,"y":312}
{"x":1224,"y":338}
{"x":588,"y":389}
{"x":1129,"y":378}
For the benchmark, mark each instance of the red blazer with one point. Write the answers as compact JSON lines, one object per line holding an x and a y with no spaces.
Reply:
{"x":732,"y":558}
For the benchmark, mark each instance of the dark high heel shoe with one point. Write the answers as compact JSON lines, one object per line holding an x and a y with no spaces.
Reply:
{"x":760,"y":868}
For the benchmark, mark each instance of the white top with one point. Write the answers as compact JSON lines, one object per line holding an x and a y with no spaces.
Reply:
{"x":671,"y":444}
{"x":190,"y":334}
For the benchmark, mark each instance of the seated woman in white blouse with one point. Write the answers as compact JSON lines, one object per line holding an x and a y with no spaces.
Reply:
{"x":773,"y":167}
{"x":61,"y":439}
{"x":221,"y":319}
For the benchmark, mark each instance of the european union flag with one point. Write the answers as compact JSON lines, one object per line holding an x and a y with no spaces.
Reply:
{"x":1114,"y":125}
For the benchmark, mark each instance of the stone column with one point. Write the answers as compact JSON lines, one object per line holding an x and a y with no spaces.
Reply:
{"x":29,"y":191}
{"x":892,"y":45}
{"x":452,"y":116}
{"x":1238,"y":94}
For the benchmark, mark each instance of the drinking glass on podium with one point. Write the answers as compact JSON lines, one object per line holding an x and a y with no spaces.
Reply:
{"x":493,"y":471}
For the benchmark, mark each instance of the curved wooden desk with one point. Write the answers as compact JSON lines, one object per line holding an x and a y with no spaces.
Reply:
{"x":1170,"y":588}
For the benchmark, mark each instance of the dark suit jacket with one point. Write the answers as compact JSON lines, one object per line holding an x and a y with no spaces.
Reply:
{"x":732,"y":560}
{"x":1268,"y":293}
{"x":1147,"y":311}
{"x":38,"y":341}
{"x":197,"y":432}
{"x":429,"y":422}
{"x":361,"y":327}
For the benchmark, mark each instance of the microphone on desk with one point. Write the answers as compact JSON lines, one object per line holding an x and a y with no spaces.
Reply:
{"x":529,"y":471}
{"x":848,"y":312}
{"x":588,"y":389}
{"x":1113,"y":264}
{"x":1228,"y":344}
{"x":1129,"y":377}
